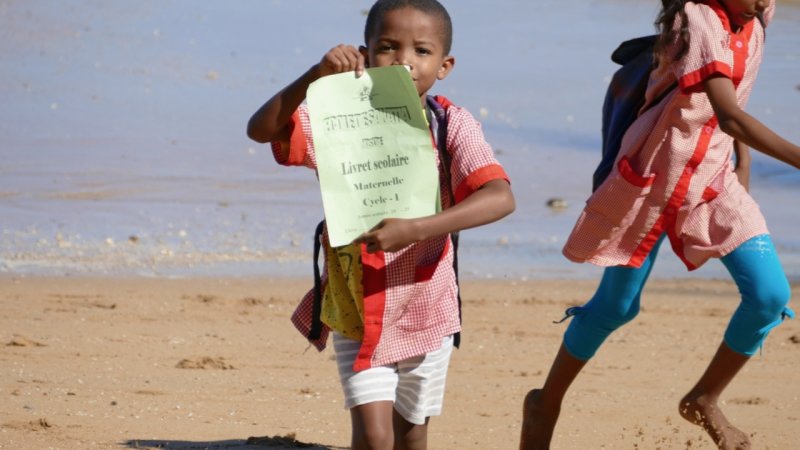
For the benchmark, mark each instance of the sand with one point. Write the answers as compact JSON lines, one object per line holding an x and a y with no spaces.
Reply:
{"x":210,"y":363}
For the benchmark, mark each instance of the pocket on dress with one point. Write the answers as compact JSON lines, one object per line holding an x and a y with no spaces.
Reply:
{"x":619,"y":198}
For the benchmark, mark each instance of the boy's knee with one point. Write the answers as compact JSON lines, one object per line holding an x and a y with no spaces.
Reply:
{"x":375,"y":438}
{"x":372,"y":435}
{"x":416,"y":439}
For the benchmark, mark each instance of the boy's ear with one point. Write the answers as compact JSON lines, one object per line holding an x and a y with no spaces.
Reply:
{"x":447,"y":65}
{"x":365,"y":53}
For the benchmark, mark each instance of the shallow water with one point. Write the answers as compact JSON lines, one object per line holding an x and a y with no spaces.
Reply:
{"x":122,"y":145}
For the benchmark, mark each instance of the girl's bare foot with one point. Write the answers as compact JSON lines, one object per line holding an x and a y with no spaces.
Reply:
{"x":538,"y":422}
{"x":699,"y":410}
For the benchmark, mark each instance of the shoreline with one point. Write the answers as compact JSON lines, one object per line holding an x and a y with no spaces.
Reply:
{"x":105,"y":362}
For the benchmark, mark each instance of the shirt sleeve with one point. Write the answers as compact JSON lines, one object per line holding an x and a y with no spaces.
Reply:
{"x":708,"y":53}
{"x":301,"y":145}
{"x":769,"y":12}
{"x":473,"y":163}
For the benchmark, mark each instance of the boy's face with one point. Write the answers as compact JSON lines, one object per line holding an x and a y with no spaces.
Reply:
{"x":410,"y":37}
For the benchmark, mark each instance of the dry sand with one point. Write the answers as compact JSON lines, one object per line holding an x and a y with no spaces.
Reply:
{"x":208,"y":363}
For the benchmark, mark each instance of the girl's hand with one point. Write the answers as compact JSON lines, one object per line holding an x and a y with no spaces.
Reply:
{"x":342,"y":58}
{"x":390,"y":235}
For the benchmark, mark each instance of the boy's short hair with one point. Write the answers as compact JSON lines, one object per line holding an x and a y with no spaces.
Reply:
{"x":430,"y":7}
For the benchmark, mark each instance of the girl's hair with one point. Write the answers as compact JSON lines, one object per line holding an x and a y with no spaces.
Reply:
{"x":430,"y":7}
{"x":665,"y":24}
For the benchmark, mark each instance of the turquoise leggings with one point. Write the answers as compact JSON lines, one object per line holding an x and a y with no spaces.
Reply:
{"x":754,"y":267}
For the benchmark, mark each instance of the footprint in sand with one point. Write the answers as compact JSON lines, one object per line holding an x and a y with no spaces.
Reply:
{"x":252,"y":301}
{"x":204,"y":363}
{"x":748,"y":401}
{"x":33,"y":425}
{"x":22,"y":341}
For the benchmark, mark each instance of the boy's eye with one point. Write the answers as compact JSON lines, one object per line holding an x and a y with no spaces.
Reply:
{"x":384,"y":48}
{"x":423,"y":51}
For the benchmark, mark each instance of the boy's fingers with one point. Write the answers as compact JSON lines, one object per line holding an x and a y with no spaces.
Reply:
{"x":366,"y":239}
{"x":360,"y":65}
{"x":352,"y":58}
{"x":344,"y":58}
{"x":363,"y":239}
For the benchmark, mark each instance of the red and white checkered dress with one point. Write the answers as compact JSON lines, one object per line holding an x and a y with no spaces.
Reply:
{"x":410,"y":296}
{"x":674,"y":172}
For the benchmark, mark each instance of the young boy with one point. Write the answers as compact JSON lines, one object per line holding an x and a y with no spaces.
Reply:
{"x":390,"y":297}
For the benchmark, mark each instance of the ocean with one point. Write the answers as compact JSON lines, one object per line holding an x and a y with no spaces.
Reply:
{"x":123,"y":147}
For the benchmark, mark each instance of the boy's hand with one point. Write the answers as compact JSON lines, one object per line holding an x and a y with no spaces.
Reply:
{"x":390,"y":235}
{"x":342,"y":58}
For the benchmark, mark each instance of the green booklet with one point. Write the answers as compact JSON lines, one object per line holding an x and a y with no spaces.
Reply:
{"x":375,"y":156}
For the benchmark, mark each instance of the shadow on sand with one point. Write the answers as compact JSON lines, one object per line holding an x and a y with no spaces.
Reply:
{"x":251,"y":443}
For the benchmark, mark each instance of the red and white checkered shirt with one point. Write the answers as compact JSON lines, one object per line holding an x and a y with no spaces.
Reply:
{"x":410,"y":296}
{"x":674,"y":172}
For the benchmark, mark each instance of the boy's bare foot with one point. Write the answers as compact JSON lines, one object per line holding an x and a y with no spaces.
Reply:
{"x":538,"y":422}
{"x":701,"y":411}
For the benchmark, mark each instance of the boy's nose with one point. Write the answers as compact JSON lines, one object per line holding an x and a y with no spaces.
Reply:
{"x":404,"y":57}
{"x":403,"y":62}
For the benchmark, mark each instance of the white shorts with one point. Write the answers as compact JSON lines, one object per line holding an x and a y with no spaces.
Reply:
{"x":415,"y":385}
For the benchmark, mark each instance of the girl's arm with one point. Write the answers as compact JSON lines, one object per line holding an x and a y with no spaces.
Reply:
{"x":268,"y":124}
{"x":489,"y":203}
{"x":744,"y":127}
{"x":742,"y":168}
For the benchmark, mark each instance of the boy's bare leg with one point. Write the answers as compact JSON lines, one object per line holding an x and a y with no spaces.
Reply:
{"x":409,"y":436}
{"x":700,"y":405}
{"x":372,"y":426}
{"x":542,"y":406}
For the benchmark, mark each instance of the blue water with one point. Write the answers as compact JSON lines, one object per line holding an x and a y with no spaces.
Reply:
{"x":122,"y":145}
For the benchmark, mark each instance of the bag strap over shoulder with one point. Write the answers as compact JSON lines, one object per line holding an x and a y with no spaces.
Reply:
{"x":316,"y":311}
{"x":437,"y":116}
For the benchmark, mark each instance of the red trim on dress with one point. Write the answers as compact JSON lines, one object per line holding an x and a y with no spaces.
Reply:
{"x":709,"y":194}
{"x":374,"y":279}
{"x":721,"y":13}
{"x":692,"y":82}
{"x":738,"y":41}
{"x":682,"y":188}
{"x":740,"y":45}
{"x":647,"y":244}
{"x":630,"y":175}
{"x":670,"y":213}
{"x":478,"y":178}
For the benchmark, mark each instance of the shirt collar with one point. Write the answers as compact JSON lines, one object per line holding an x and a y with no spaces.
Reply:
{"x":717,"y":7}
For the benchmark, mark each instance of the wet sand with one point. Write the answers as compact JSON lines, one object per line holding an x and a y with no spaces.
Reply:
{"x":208,"y":363}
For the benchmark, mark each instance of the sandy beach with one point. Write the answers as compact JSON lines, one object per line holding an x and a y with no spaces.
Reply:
{"x":151,"y":254}
{"x":210,"y":363}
